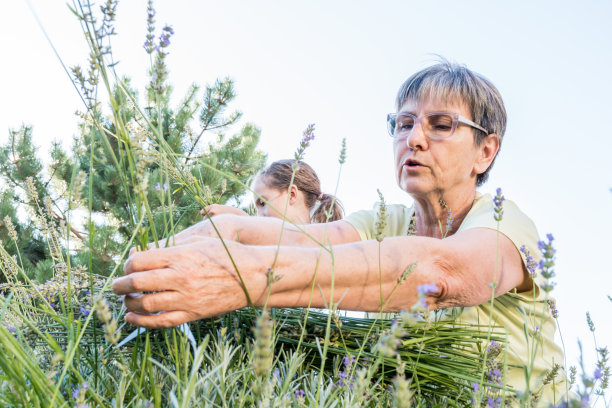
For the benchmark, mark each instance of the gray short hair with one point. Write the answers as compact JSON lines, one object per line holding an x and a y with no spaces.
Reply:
{"x":452,"y":82}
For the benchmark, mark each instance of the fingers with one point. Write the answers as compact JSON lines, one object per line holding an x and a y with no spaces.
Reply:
{"x":161,"y":243}
{"x":149,"y":281}
{"x":154,"y":258}
{"x":211,"y":210}
{"x":162,"y":320}
{"x":152,"y":302}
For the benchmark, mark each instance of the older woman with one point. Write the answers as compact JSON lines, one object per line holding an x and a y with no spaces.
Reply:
{"x":446,"y":134}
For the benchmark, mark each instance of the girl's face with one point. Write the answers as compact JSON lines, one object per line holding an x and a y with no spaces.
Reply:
{"x":271,"y":202}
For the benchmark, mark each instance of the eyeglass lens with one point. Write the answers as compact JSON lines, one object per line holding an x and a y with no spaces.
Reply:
{"x":438,"y":125}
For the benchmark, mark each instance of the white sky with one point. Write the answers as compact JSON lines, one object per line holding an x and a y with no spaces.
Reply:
{"x":338,"y":64}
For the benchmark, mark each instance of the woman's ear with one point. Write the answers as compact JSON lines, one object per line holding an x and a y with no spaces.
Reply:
{"x":486,"y":153}
{"x":293,"y":194}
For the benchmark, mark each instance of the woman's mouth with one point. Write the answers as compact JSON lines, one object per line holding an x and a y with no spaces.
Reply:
{"x":411,"y":163}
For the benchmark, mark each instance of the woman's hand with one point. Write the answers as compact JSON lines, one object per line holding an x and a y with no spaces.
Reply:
{"x":218,"y":209}
{"x":189,"y":282}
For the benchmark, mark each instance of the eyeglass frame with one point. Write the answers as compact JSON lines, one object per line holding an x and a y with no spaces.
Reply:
{"x":457,"y":118}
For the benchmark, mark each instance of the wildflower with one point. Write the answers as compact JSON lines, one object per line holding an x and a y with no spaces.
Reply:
{"x":495,"y":376}
{"x":449,"y":219}
{"x":426,"y":289}
{"x":263,"y":351}
{"x":344,"y":375}
{"x":164,"y":39}
{"x":497,"y":201}
{"x":390,"y":341}
{"x":12,"y":329}
{"x":111,"y":334}
{"x":381,"y":218}
{"x":12,"y":232}
{"x":590,"y":322}
{"x":307,"y":137}
{"x":572,"y":376}
{"x":584,"y":401}
{"x":84,"y":311}
{"x":402,"y":394}
{"x":412,"y":226}
{"x":160,"y":187}
{"x":343,"y":152}
{"x":546,"y":264}
{"x":148,"y":45}
{"x":530,"y":263}
{"x":552,"y":306}
{"x":299,"y":394}
{"x":422,"y":292}
{"x":597,"y":374}
{"x":406,"y":273}
{"x":493,"y":402}
{"x":79,"y":394}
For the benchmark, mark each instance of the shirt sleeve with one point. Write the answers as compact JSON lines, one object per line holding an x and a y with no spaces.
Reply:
{"x":397,"y":221}
{"x":515,"y":225}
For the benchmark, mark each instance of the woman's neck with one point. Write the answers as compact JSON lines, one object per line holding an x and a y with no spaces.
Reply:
{"x":439,"y":215}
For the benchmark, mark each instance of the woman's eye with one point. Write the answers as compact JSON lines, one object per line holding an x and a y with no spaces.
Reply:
{"x":259,"y":203}
{"x":442,"y":127}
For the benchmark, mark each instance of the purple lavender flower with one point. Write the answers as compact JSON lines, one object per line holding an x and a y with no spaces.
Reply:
{"x":597,"y":374}
{"x":552,"y":306}
{"x":495,"y":376}
{"x":299,"y":394}
{"x":160,"y":187}
{"x":276,"y":373}
{"x":148,"y":44}
{"x":584,"y":401}
{"x":164,"y":38}
{"x":497,"y":201}
{"x":493,"y":402}
{"x":475,"y":386}
{"x":344,"y":375}
{"x":590,"y":322}
{"x":530,"y":263}
{"x":307,"y":137}
{"x":547,"y":263}
{"x":449,"y":221}
{"x":84,"y":311}
{"x":426,"y":289}
{"x":12,"y":329}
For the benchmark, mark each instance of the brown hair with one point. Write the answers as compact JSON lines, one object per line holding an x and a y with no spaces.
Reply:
{"x":278,"y":176}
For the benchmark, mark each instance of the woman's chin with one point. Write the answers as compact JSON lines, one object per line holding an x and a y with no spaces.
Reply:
{"x":414,"y":187}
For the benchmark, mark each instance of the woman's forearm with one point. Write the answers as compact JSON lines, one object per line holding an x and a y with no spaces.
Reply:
{"x":353,"y":274}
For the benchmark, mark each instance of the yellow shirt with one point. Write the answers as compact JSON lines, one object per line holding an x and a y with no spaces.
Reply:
{"x":519,"y":313}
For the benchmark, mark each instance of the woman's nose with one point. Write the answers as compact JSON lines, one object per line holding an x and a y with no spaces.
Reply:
{"x":416,"y":139}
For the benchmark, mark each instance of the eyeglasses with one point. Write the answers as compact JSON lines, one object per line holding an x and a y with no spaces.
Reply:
{"x":435,"y":125}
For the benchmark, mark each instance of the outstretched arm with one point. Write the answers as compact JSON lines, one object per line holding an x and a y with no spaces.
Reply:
{"x":198,"y":280}
{"x":217,"y":209}
{"x":268,"y":230}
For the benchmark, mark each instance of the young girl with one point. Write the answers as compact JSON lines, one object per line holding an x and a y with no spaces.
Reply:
{"x":301,"y":203}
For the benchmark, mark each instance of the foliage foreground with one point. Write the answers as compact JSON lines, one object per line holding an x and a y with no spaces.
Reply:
{"x":139,"y":173}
